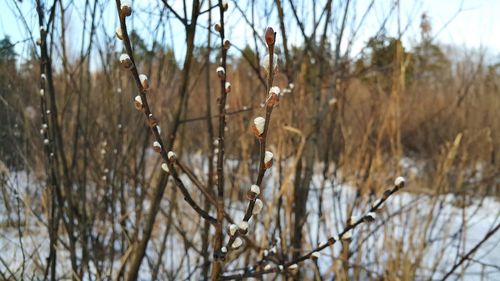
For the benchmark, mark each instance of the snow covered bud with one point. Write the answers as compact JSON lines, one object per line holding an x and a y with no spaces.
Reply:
{"x":253,"y":192}
{"x":157,"y":146}
{"x":228,"y":87}
{"x":42,"y":92}
{"x":270,"y":36}
{"x":273,"y":99}
{"x":399,"y":182}
{"x":315,"y":255}
{"x":223,"y":250}
{"x":268,"y":159}
{"x":46,"y":141}
{"x":370,"y":217}
{"x":144,"y":81}
{"x":43,"y":77}
{"x":257,"y":207}
{"x":226,"y":44}
{"x":293,"y":267}
{"x":237,"y":243}
{"x":258,"y":126}
{"x":125,"y":61}
{"x":232,"y":229}
{"x":164,"y":167}
{"x":243,"y":226}
{"x":217,"y":27}
{"x":138,"y":102}
{"x":225,"y":5}
{"x":119,"y":33}
{"x":171,"y":156}
{"x":125,"y":9}
{"x":221,"y":72}
{"x":268,"y":267}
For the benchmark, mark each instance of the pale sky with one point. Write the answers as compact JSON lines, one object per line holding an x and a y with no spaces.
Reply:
{"x":476,"y":26}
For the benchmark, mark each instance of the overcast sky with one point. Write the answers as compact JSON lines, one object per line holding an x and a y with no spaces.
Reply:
{"x":469,"y":23}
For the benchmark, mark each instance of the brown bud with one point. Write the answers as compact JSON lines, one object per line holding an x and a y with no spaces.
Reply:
{"x":226,"y":44}
{"x":225,"y":5}
{"x":126,"y":9}
{"x":270,"y":36}
{"x":217,"y":27}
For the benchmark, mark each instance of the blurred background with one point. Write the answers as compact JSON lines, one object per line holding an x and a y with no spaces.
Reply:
{"x":371,"y":90}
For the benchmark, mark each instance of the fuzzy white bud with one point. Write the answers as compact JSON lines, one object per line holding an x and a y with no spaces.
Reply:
{"x":243,"y":226}
{"x":353,"y":219}
{"x":125,"y":61}
{"x":400,"y":182}
{"x":266,"y":253}
{"x":138,"y":102}
{"x":293,"y":267}
{"x":347,"y":235}
{"x":171,"y":155}
{"x":232,"y":229}
{"x":42,"y":92}
{"x":257,"y":206}
{"x":255,"y":189}
{"x":46,"y":141}
{"x":164,"y":167}
{"x":268,"y":159}
{"x":315,"y":255}
{"x":157,"y":146}
{"x":228,"y":87}
{"x":259,"y":123}
{"x":369,"y":217}
{"x":119,"y":33}
{"x":237,"y":243}
{"x":221,"y":72}
{"x":144,"y":81}
{"x":274,"y":90}
{"x":267,"y":267}
{"x":280,"y":267}
{"x":223,"y":249}
{"x":332,"y":101}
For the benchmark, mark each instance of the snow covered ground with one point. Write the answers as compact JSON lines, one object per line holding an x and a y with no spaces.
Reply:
{"x":450,"y":225}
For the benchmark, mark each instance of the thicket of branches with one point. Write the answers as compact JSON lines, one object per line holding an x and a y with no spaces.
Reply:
{"x":274,"y":159}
